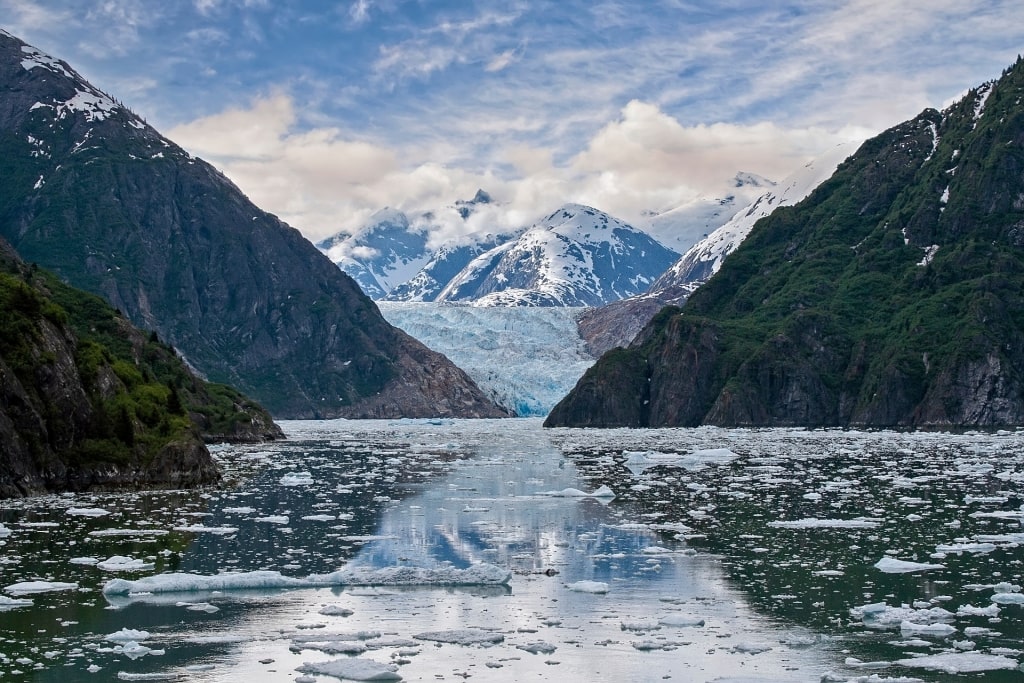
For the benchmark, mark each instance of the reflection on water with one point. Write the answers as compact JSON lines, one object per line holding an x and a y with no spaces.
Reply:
{"x":702,"y":580}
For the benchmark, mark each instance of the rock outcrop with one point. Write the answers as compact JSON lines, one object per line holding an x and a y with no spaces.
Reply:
{"x":89,"y":402}
{"x":890,"y":297}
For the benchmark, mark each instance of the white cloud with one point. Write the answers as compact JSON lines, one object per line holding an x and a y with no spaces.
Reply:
{"x":321,"y":180}
{"x":359,"y":12}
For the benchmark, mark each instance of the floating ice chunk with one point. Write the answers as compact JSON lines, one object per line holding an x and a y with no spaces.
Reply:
{"x":638,"y":462}
{"x":354,"y":669}
{"x":87,"y":512}
{"x":273,"y":519}
{"x":465,"y":636}
{"x":128,"y":532}
{"x":239,"y":511}
{"x":4,"y":531}
{"x":203,"y":529}
{"x":127,"y":635}
{"x":890,"y":565}
{"x":28,"y":587}
{"x":602,"y":492}
{"x":198,"y":607}
{"x":331,"y":647}
{"x":154,"y":676}
{"x":751,"y":648}
{"x":959,"y":662}
{"x":965,"y":548}
{"x":680,"y":621}
{"x":538,"y":647}
{"x":1008,"y":598}
{"x":320,"y":518}
{"x":934,"y":629}
{"x":336,"y":611}
{"x":476,"y":575}
{"x":588,"y":587}
{"x":639,"y":626}
{"x":972,"y":611}
{"x":879,"y":615}
{"x":815,"y":523}
{"x":297,"y":479}
{"x":132,"y":650}
{"x":88,"y":561}
{"x":120,"y":563}
{"x":7,"y":603}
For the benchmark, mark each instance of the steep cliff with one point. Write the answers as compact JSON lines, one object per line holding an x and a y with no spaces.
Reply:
{"x":88,"y":402}
{"x":95,"y":194}
{"x":890,"y":297}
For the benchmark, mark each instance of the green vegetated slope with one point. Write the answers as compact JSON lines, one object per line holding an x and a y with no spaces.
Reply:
{"x":890,"y":297}
{"x":89,"y":401}
{"x":93,"y":193}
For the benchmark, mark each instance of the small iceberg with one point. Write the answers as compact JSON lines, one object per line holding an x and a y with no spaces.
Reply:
{"x":890,"y":565}
{"x":476,"y":575}
{"x":639,"y":462}
{"x":603,"y":493}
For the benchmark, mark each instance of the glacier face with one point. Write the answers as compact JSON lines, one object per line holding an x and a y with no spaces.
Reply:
{"x":524,"y":358}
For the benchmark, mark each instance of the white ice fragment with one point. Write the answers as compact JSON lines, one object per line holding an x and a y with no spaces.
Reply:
{"x":336,"y":611}
{"x":1008,"y":598}
{"x":87,"y":512}
{"x":972,"y":611}
{"x":815,"y":523}
{"x":538,"y":647}
{"x":87,"y":561}
{"x":680,"y":621}
{"x":120,"y":563}
{"x":588,"y":587}
{"x":890,"y":565}
{"x":273,"y":519}
{"x":935,"y":629}
{"x":239,"y":510}
{"x":7,"y":603}
{"x":879,"y":615}
{"x":638,"y":462}
{"x":4,"y":531}
{"x":751,"y":648}
{"x":28,"y":587}
{"x":127,"y":635}
{"x":475,"y":575}
{"x":959,"y":662}
{"x":353,"y":669}
{"x":465,"y":636}
{"x":297,"y":479}
{"x":602,"y":492}
{"x":203,"y":529}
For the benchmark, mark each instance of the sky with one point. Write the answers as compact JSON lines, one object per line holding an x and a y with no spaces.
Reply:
{"x":325,"y":111}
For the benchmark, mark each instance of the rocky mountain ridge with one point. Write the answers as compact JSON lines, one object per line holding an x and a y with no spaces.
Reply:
{"x":889,"y":297}
{"x":95,"y":194}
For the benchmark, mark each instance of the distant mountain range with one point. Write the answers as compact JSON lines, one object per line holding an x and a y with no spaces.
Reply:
{"x":576,"y":256}
{"x":617,"y":323}
{"x":95,"y":194}
{"x":892,"y":296}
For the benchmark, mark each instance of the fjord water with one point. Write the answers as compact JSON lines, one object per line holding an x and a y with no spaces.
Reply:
{"x":724,"y":555}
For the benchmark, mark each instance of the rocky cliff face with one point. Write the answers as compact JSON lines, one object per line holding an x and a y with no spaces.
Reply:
{"x":79,"y":414}
{"x":95,"y":194}
{"x":890,"y":297}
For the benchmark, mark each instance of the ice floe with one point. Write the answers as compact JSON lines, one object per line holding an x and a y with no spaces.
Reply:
{"x":354,"y":669}
{"x":891,"y":565}
{"x":959,"y":662}
{"x":29,"y":587}
{"x":475,"y":575}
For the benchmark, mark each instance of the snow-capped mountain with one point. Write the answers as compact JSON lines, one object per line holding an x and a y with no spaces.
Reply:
{"x":704,"y":258}
{"x":384,"y":253}
{"x":444,"y":264}
{"x":618,"y":323}
{"x":577,"y":256}
{"x":683,"y":226}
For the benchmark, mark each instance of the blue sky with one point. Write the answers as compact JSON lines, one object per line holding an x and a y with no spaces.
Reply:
{"x":326,"y":111}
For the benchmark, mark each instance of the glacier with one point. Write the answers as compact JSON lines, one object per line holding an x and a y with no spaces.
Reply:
{"x":524,"y":358}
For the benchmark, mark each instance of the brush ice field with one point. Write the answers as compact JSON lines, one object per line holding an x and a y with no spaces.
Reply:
{"x":500,"y":551}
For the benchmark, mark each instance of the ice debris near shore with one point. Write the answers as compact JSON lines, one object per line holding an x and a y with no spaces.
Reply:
{"x":476,"y":575}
